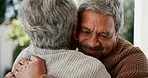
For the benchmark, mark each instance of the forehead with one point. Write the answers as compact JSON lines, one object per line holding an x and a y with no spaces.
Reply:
{"x":97,"y":21}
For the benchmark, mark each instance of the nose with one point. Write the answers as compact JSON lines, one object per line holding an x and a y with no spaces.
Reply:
{"x":93,"y":41}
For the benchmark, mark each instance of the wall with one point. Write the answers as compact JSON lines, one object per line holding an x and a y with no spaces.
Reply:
{"x":141,"y":25}
{"x":6,"y":49}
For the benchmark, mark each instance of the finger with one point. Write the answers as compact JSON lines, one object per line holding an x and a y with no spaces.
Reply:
{"x":15,"y":72}
{"x":35,"y":58}
{"x":24,"y":61}
{"x":9,"y":75}
{"x":18,"y":66}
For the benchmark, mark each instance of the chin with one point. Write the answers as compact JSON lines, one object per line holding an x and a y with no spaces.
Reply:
{"x":93,"y":54}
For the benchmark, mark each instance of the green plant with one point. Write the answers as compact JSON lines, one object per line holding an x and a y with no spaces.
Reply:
{"x":16,"y":34}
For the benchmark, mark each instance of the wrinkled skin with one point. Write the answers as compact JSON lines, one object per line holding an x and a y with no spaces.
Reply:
{"x":96,"y":34}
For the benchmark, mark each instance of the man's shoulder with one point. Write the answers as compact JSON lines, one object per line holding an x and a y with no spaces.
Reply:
{"x":27,"y":50}
{"x":25,"y":53}
{"x":125,"y":46}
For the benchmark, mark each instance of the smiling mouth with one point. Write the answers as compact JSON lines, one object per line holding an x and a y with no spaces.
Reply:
{"x":93,"y":51}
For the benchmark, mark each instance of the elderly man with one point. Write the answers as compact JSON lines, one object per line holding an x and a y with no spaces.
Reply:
{"x":99,"y":24}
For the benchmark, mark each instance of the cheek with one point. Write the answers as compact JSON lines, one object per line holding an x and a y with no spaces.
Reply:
{"x":108,"y":45}
{"x":81,"y":38}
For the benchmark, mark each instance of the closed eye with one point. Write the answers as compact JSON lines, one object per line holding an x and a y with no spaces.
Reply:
{"x":85,"y":30}
{"x":105,"y":35}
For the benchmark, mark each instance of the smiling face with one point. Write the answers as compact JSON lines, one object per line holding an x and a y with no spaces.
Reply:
{"x":96,"y":34}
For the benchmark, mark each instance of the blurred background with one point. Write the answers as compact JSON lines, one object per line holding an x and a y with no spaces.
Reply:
{"x":13,"y":40}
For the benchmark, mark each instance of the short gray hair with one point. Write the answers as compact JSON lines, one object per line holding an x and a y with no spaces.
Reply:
{"x":48,"y":23}
{"x":109,"y":7}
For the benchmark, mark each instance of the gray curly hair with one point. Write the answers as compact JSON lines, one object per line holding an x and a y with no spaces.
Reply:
{"x":109,"y":7}
{"x":48,"y":23}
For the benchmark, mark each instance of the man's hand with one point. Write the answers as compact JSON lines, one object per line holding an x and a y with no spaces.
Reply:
{"x":33,"y":68}
{"x":9,"y":75}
